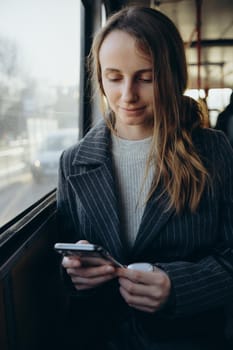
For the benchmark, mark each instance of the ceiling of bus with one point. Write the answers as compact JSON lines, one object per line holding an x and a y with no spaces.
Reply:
{"x":216,"y":34}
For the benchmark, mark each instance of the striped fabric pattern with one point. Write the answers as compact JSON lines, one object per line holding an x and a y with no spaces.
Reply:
{"x":181,"y":244}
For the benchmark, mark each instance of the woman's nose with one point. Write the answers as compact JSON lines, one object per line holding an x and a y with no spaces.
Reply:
{"x":129,"y":92}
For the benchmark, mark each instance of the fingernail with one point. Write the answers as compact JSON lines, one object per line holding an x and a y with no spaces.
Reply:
{"x":109,"y":268}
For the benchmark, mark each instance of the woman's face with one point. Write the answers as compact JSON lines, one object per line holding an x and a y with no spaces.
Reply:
{"x":128,"y":84}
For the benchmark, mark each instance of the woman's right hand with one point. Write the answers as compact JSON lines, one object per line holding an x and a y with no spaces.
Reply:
{"x":85,"y":275}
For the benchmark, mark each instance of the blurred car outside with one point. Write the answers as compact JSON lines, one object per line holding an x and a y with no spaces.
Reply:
{"x":45,"y":161}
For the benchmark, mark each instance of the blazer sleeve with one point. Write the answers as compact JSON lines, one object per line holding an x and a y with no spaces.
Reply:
{"x":69,"y":228}
{"x":67,"y":225}
{"x":208,"y":283}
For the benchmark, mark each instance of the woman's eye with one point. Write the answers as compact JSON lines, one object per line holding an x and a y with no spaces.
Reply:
{"x":145,"y":79}
{"x":115,"y":78}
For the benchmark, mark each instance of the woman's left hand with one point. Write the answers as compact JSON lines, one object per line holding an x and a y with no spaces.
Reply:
{"x":145,"y":291}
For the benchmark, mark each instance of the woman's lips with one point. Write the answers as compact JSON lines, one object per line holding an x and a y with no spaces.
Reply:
{"x":132,"y":110}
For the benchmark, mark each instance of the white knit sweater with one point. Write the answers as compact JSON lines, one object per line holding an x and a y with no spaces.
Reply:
{"x":129,"y":160}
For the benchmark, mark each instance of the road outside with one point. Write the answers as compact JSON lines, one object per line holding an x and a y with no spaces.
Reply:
{"x":19,"y":193}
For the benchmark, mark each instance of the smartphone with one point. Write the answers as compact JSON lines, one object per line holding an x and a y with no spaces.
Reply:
{"x":86,"y":251}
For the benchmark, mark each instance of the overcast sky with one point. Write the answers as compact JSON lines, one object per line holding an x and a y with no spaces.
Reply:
{"x":47,"y":36}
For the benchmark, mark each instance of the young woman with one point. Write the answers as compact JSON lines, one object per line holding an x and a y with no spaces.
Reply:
{"x":150,"y":185}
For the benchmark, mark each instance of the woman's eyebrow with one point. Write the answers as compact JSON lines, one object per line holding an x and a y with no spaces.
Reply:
{"x":144,"y":70}
{"x":109,"y":70}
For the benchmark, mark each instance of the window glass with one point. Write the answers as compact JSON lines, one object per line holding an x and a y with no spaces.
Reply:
{"x":216,"y":101}
{"x":39,"y":96}
{"x":103,"y":15}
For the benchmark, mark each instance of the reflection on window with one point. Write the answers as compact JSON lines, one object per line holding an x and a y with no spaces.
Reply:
{"x":39,"y":80}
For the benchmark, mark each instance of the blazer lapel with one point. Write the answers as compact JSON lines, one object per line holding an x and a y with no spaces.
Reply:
{"x":95,"y":188}
{"x":154,"y":218}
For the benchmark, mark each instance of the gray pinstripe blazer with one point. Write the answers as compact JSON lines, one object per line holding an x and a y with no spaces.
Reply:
{"x":183,"y":245}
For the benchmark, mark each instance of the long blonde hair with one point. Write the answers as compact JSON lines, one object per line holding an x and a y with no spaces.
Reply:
{"x":177,"y":164}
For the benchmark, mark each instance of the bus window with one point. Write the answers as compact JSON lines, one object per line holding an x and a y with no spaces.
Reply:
{"x":39,"y":94}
